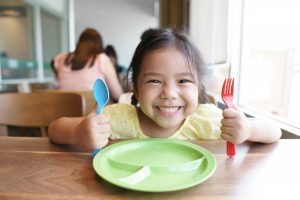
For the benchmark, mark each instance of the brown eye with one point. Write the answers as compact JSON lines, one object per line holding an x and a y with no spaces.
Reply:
{"x":153,"y":81}
{"x":184,"y":81}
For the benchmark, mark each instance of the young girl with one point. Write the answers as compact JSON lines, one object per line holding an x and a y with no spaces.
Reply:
{"x":167,"y":73}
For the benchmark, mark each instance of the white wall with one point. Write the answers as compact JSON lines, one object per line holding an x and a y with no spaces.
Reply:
{"x":208,"y":28}
{"x":120,"y":22}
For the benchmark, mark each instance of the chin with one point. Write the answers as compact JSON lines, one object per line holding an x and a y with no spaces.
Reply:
{"x":170,"y":125}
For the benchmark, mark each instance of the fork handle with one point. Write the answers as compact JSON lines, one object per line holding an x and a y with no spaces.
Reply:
{"x":230,"y":149}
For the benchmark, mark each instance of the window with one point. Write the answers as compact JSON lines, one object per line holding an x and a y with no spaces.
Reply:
{"x":51,"y":39}
{"x":17,"y":46}
{"x":32,"y":32}
{"x":266,"y":59}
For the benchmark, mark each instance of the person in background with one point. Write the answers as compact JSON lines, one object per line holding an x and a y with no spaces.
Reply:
{"x":121,"y":70}
{"x":78,"y":70}
{"x":169,"y":101}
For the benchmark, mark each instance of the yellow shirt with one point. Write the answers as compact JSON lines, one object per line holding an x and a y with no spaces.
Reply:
{"x":204,"y":123}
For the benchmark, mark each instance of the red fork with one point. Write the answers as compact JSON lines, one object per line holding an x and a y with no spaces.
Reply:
{"x":227,"y":96}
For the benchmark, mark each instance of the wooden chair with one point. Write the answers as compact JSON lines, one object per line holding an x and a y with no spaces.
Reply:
{"x":90,"y":102}
{"x":38,"y":109}
{"x":33,"y":87}
{"x":211,"y":99}
{"x":88,"y":96}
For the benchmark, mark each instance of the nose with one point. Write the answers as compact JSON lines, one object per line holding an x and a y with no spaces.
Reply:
{"x":169,"y":91}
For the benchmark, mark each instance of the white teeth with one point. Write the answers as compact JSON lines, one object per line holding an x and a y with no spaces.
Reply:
{"x":168,"y":109}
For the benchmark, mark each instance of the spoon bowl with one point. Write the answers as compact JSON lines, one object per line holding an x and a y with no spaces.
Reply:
{"x":101,"y":94}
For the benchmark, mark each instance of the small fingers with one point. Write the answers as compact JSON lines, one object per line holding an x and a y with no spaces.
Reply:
{"x":103,"y":128}
{"x":227,"y":137}
{"x":101,"y":143}
{"x":231,"y":113}
{"x":229,"y":134}
{"x":97,"y":119}
{"x":228,"y":122}
{"x":226,"y":129}
{"x":102,"y":119}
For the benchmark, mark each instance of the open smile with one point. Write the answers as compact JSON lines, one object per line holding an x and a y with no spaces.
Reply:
{"x":168,"y":110}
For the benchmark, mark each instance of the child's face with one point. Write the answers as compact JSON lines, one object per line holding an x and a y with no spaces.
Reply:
{"x":167,"y":92}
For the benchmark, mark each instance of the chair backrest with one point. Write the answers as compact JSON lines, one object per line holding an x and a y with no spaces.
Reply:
{"x":90,"y":102}
{"x":38,"y":109}
{"x":33,"y":87}
{"x":211,"y":99}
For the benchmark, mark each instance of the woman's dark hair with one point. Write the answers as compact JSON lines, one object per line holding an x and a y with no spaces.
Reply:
{"x":89,"y":46}
{"x":110,"y":51}
{"x":163,"y":39}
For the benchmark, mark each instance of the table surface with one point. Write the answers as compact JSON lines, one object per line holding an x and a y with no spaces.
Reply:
{"x":34,"y":168}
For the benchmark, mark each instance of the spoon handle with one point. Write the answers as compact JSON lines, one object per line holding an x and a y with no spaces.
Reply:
{"x":99,"y":109}
{"x":95,"y":151}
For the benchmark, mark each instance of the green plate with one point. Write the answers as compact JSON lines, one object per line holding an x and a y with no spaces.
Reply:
{"x":154,"y":165}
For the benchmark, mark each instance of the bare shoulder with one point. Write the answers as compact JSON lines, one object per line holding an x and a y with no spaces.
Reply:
{"x":103,"y":57}
{"x":61,"y":55}
{"x":59,"y":59}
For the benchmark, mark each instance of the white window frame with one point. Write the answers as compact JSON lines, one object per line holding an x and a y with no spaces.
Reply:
{"x":235,"y":27}
{"x":37,"y":6}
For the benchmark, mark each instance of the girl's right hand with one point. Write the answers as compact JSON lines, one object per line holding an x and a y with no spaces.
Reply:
{"x":93,"y":132}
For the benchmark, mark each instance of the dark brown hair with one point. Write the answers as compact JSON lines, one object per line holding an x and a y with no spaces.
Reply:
{"x":110,"y":51}
{"x":167,"y":38}
{"x":89,"y":46}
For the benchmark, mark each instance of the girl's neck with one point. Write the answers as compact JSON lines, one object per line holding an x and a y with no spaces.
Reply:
{"x":153,"y":130}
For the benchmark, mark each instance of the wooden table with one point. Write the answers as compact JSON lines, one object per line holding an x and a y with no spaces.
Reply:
{"x":34,"y":168}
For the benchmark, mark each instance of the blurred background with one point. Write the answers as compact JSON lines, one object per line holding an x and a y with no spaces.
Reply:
{"x":34,"y":31}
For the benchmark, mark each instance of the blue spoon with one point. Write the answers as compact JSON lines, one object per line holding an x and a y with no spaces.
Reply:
{"x":101,"y":95}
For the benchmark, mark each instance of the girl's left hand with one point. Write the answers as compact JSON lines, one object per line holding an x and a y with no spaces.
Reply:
{"x":236,"y":127}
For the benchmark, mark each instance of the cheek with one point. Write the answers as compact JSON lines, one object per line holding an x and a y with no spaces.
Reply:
{"x":193,"y":97}
{"x":193,"y":93}
{"x":146,"y":96}
{"x":142,"y":94}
